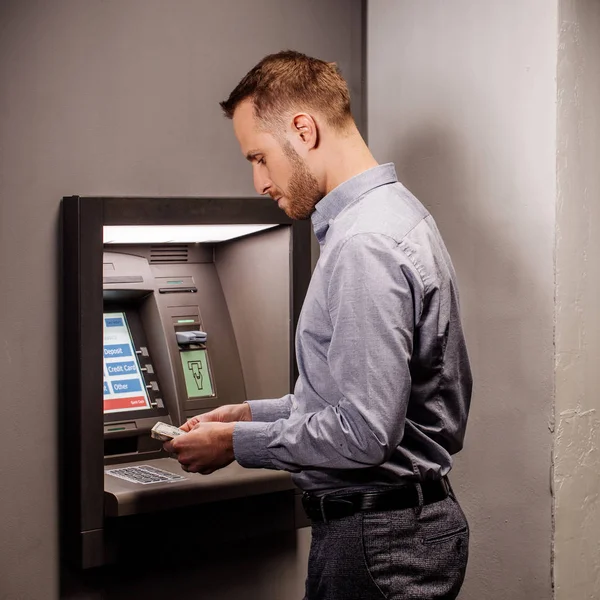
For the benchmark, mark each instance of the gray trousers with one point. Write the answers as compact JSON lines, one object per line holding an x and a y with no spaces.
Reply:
{"x":411,"y":554}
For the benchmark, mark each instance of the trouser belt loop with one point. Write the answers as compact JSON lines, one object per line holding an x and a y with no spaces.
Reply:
{"x":421,"y":497}
{"x":448,"y":485}
{"x":322,"y":507}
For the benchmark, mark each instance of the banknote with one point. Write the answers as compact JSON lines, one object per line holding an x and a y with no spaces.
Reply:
{"x":165,"y":432}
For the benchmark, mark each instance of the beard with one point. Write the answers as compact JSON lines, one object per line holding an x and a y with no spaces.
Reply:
{"x":303,"y":191}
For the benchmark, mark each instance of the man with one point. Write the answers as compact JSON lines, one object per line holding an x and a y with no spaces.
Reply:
{"x":384,"y":384}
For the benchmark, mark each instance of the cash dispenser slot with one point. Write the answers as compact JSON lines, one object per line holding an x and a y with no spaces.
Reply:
{"x":190,"y":290}
{"x":176,"y":285}
{"x":119,"y":430}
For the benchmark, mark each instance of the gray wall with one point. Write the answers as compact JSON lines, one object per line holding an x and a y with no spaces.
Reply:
{"x":576,"y":453}
{"x":118,"y":97}
{"x":461,"y":96}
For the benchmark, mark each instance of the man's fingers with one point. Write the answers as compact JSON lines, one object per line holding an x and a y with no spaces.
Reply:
{"x":174,"y":446}
{"x":189,"y":425}
{"x":208,"y":417}
{"x":195,"y":421}
{"x":201,"y":470}
{"x":211,"y":417}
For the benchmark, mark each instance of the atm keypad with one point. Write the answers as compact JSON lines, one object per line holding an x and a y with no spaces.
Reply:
{"x":144,"y":474}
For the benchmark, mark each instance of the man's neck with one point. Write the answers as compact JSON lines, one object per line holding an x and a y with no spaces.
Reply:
{"x":349,"y":157}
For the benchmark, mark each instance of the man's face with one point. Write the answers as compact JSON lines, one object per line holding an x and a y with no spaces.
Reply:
{"x":278,"y":169}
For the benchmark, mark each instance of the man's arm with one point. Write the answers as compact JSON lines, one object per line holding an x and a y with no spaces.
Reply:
{"x":251,"y":410}
{"x":267,"y":411}
{"x":375,"y":296}
{"x":207,"y":443}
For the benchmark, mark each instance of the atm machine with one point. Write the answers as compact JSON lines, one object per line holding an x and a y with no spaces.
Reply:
{"x":173,"y":307}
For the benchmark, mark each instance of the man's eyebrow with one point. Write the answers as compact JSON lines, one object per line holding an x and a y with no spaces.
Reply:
{"x":252,"y":154}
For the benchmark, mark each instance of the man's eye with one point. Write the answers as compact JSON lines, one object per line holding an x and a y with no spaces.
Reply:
{"x":261,"y":161}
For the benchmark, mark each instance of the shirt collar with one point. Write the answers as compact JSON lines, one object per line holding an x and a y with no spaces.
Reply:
{"x":344,"y":194}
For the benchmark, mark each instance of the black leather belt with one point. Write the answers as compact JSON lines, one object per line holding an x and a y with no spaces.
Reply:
{"x":336,"y":506}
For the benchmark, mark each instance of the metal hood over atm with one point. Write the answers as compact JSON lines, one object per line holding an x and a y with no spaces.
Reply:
{"x":96,"y":508}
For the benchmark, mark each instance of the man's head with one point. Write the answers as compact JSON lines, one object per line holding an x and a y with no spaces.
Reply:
{"x":286,"y":111}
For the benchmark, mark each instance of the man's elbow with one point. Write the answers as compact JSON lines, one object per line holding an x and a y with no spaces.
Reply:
{"x":376,"y":452}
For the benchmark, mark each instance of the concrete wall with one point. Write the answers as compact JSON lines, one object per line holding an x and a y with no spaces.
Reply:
{"x":461,"y":96}
{"x":119,"y":97}
{"x":577,"y":445}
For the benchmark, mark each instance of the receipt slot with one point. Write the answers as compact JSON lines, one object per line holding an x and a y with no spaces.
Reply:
{"x":168,"y":328}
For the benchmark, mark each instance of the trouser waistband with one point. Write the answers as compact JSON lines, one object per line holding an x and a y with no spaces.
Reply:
{"x":338,"y":505}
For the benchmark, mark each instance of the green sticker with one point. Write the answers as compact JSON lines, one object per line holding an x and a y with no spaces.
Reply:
{"x":196,"y":373}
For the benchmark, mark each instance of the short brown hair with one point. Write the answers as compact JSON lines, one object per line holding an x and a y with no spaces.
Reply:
{"x":290,"y":80}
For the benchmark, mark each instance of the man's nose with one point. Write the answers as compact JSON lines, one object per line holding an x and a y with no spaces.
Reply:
{"x":261,"y":184}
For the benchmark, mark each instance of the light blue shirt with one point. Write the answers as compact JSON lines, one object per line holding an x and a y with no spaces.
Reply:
{"x":384,"y":381}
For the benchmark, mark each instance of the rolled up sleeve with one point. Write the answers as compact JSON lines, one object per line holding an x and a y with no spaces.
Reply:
{"x":267,"y":411}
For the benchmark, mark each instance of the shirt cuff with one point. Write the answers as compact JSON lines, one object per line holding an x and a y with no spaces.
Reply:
{"x":267,"y":411}
{"x":250,"y":442}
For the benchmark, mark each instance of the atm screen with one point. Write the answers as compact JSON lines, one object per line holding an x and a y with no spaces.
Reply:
{"x":196,"y":372}
{"x":124,"y":385}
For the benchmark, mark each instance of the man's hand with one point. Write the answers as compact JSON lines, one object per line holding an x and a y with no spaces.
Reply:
{"x":207,"y":448}
{"x":230,"y":413}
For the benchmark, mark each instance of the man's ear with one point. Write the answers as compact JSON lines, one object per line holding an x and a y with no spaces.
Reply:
{"x":305,"y":128}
